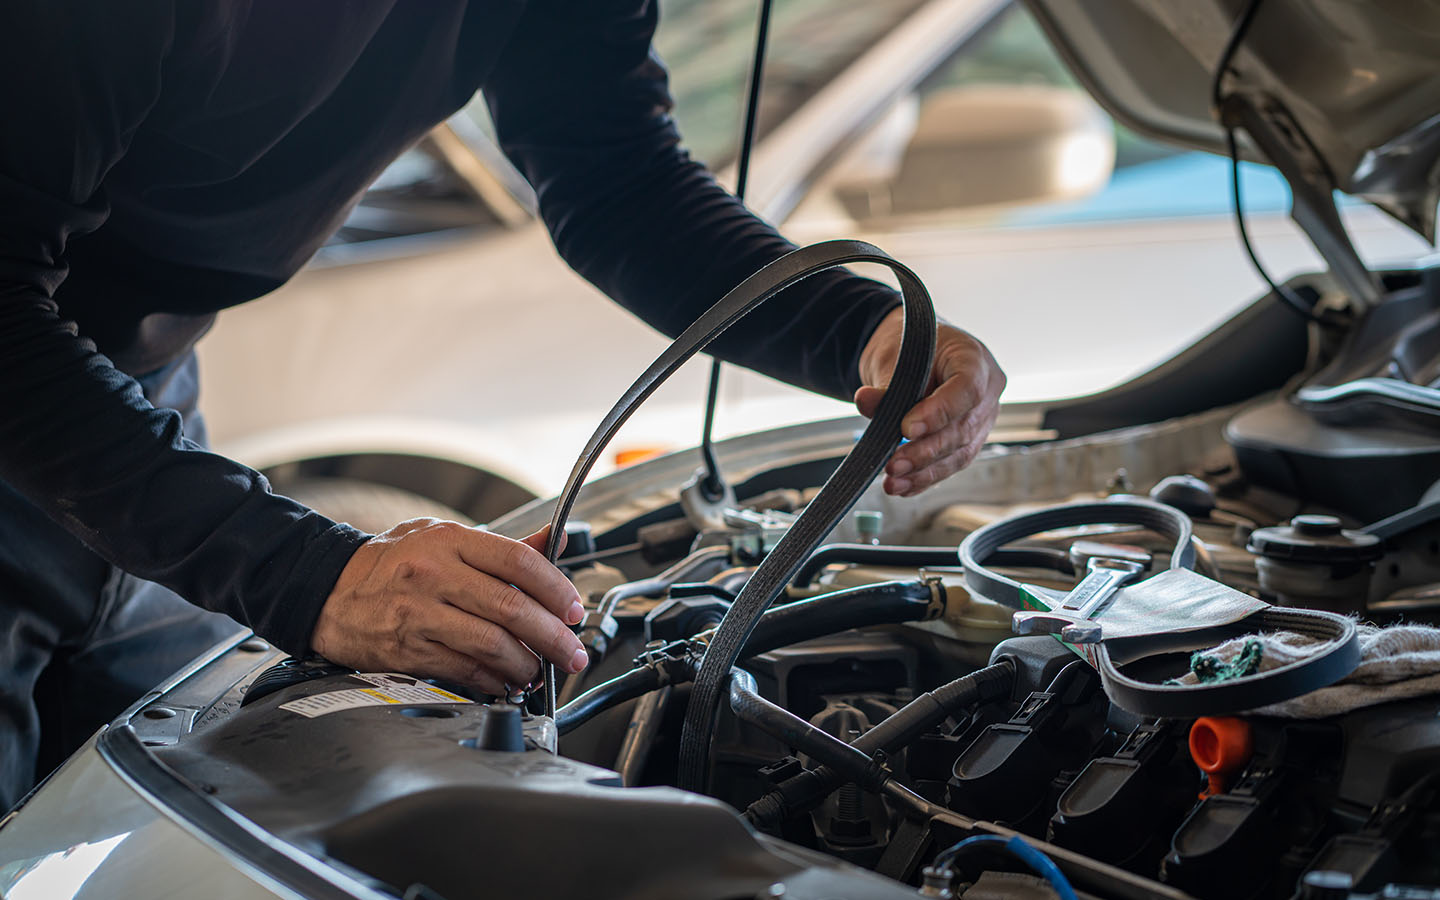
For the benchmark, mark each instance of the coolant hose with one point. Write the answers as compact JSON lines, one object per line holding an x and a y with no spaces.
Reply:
{"x":887,"y":603}
{"x":634,"y":683}
{"x":803,"y":792}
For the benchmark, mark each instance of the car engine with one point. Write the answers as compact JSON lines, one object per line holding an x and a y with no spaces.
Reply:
{"x":886,"y":731}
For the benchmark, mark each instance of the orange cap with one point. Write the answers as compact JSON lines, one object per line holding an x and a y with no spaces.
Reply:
{"x":1220,"y":746}
{"x":631,"y":455}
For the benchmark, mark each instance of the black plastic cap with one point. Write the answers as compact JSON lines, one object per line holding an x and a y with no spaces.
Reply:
{"x":579,"y":539}
{"x":501,"y":729}
{"x":1315,"y":539}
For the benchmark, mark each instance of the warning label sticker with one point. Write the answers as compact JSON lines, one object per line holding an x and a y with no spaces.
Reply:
{"x":388,"y":689}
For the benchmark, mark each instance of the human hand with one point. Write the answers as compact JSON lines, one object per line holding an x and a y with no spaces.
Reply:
{"x":948,"y":427}
{"x":438,"y":599}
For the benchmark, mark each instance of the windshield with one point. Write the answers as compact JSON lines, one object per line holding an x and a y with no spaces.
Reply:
{"x":707,"y":45}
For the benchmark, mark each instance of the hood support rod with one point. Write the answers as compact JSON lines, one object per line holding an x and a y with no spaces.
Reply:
{"x":1278,"y":136}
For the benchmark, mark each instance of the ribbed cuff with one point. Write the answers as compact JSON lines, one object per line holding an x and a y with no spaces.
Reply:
{"x":290,"y":621}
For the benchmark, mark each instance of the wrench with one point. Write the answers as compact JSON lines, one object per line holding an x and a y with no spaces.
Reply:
{"x":1074,"y":620}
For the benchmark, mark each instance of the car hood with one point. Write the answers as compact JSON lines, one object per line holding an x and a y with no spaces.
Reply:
{"x":1351,"y":87}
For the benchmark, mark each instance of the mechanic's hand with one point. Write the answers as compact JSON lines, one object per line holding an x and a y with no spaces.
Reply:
{"x":948,"y":427}
{"x":438,"y":599}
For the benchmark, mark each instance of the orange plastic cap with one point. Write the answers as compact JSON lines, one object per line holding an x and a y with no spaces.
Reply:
{"x":631,"y":455}
{"x":1221,"y":746}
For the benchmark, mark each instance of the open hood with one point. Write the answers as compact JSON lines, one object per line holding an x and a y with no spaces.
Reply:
{"x":1337,"y":94}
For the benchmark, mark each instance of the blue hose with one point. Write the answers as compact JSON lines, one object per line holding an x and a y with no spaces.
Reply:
{"x":1022,"y":850}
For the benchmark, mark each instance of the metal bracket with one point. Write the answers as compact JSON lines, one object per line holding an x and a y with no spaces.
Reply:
{"x":702,"y":512}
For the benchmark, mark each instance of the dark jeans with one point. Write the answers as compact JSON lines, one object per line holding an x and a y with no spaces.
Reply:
{"x":79,"y":639}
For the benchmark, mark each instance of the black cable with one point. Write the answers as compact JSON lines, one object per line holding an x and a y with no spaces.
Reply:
{"x":853,"y":764}
{"x":1217,"y":101}
{"x":1232,"y":44}
{"x":805,"y":791}
{"x":713,"y":486}
{"x":1291,"y":300}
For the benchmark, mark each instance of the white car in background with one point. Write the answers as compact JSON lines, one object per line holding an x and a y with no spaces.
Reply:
{"x":945,"y":131}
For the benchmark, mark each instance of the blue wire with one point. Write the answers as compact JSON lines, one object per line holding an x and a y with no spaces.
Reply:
{"x":1021,"y":849}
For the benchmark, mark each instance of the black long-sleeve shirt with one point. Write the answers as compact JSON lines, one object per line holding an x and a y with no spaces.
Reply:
{"x":161,"y":160}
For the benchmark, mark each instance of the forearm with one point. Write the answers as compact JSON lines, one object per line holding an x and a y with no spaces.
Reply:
{"x":582,"y":107}
{"x":80,"y":441}
{"x":682,"y":242}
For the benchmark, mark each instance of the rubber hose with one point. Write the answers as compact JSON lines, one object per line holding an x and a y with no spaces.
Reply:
{"x":874,"y":555}
{"x":803,"y":792}
{"x":857,"y":768}
{"x":593,"y":638}
{"x":632,"y":684}
{"x":888,"y":603}
{"x":795,"y":732}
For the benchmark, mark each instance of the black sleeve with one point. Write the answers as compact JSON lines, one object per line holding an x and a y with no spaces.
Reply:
{"x":76,"y":435}
{"x":581,"y":106}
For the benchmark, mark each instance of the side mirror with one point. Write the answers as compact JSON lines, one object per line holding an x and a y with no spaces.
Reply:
{"x":973,"y":147}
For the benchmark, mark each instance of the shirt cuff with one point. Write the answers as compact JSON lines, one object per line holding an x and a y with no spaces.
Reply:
{"x":289,"y":623}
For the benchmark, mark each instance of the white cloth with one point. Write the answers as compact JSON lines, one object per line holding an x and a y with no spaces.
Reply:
{"x":1396,"y":663}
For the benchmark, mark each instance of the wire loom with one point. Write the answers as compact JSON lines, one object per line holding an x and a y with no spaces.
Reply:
{"x":840,"y":492}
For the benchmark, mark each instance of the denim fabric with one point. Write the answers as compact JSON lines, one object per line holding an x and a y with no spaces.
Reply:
{"x":79,"y":639}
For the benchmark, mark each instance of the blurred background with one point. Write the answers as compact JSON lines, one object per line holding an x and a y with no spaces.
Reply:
{"x":947,"y":132}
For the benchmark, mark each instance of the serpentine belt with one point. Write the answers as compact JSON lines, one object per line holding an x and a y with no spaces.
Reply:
{"x":1321,"y":669}
{"x":854,"y":474}
{"x":981,"y":544}
{"x":1328,"y":665}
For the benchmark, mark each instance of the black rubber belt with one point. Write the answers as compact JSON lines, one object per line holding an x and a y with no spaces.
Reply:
{"x":1321,"y":669}
{"x":978,"y":549}
{"x":854,"y":474}
{"x":1146,"y":698}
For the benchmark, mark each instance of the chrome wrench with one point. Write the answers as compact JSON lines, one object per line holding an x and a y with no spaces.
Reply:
{"x":1074,"y":619}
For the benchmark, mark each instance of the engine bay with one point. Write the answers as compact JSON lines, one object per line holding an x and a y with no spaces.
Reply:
{"x":1190,"y":657}
{"x":957,"y":729}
